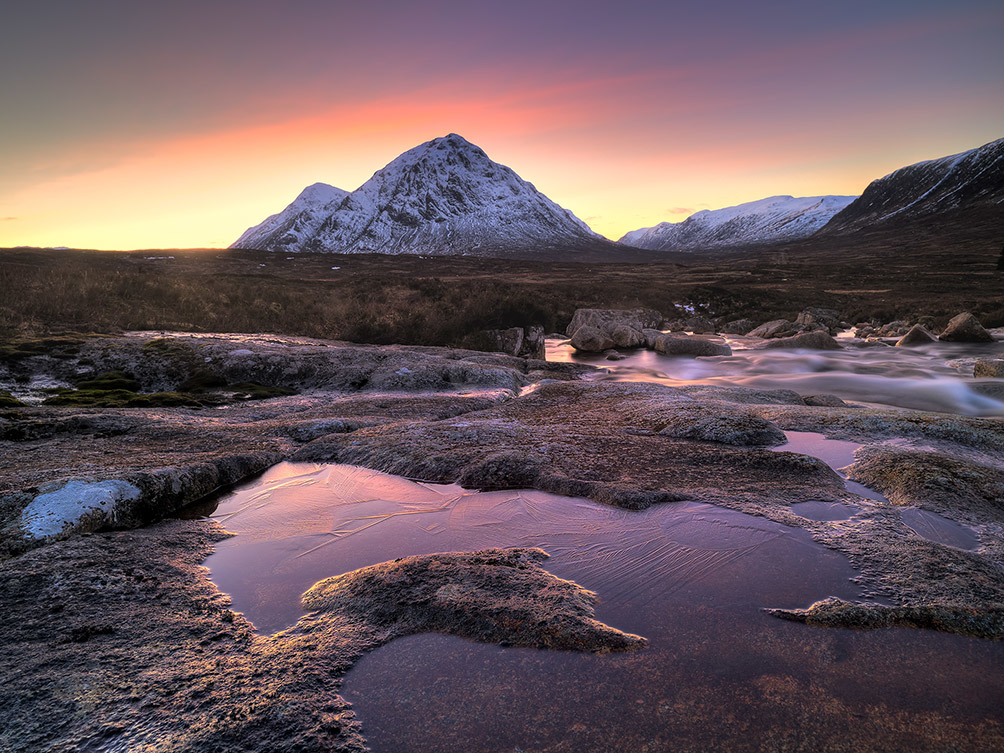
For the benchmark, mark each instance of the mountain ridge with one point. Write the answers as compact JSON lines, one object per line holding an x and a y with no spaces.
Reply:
{"x":961,"y":182}
{"x":768,"y":220}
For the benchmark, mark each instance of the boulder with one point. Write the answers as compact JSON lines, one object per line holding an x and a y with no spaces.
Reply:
{"x":738,"y":327}
{"x":651,"y":335}
{"x":699,"y":325}
{"x":675,"y":345}
{"x":606,"y":320}
{"x":776,"y":328}
{"x":591,"y":340}
{"x":989,"y":367}
{"x":508,"y":341}
{"x":896,"y":328}
{"x":824,"y":401}
{"x":627,"y":337}
{"x":818,"y":340}
{"x":534,"y":345}
{"x":614,"y":355}
{"x":820,"y":319}
{"x":965,"y":328}
{"x":525,"y":342}
{"x":918,"y":335}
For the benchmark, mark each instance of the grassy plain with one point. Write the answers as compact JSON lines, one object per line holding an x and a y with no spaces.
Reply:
{"x":935,"y":271}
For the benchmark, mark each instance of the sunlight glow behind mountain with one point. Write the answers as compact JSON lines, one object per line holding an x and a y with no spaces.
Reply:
{"x":181,"y":126}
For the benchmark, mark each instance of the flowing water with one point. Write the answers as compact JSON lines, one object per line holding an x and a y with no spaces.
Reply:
{"x":936,"y":377}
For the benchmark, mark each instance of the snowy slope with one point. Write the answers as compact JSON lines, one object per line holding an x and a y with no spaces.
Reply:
{"x":775,"y":219}
{"x":442,"y":197}
{"x":962,"y":181}
{"x":297,"y":223}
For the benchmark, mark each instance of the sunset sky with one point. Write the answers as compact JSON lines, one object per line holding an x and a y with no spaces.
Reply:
{"x":179,"y":124}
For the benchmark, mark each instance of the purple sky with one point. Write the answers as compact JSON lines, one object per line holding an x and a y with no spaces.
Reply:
{"x":181,"y":123}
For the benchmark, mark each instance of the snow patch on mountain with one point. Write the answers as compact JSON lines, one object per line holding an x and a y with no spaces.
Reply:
{"x":770,"y":220}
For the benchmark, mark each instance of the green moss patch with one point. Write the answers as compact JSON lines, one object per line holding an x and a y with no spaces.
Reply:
{"x":202,"y":380}
{"x":62,"y":346}
{"x":252,"y":391}
{"x":102,"y":397}
{"x":110,"y":380}
{"x":121,"y":399}
{"x":9,"y":401}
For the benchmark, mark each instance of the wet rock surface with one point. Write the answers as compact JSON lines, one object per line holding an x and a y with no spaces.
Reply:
{"x":817,"y":340}
{"x":122,"y":639}
{"x":166,"y":457}
{"x":681,"y":345}
{"x":122,"y":636}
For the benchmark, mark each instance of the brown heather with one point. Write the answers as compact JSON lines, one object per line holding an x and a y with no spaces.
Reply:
{"x":928,"y":275}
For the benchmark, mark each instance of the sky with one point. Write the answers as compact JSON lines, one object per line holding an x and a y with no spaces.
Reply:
{"x":180,"y":124}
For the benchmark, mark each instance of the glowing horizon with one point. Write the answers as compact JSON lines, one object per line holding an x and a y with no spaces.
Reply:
{"x":188,"y":151}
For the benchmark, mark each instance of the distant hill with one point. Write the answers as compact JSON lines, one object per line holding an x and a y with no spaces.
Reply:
{"x":771,"y":220}
{"x":970,"y":182}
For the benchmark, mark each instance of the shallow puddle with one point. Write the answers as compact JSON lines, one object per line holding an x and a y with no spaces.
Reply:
{"x":938,"y":529}
{"x":303,"y":522}
{"x":718,"y":673}
{"x":824,"y":511}
{"x":836,"y":453}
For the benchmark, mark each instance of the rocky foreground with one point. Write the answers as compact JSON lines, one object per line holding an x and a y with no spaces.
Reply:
{"x":121,"y":641}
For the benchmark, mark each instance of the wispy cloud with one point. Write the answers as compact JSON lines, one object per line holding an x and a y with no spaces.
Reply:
{"x":9,"y":219}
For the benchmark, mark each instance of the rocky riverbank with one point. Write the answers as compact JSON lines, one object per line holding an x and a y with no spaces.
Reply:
{"x":121,"y":637}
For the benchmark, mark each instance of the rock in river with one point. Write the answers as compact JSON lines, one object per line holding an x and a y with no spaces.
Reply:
{"x":918,"y":335}
{"x":625,"y":336}
{"x":676,"y":345}
{"x":809,"y":340}
{"x":989,"y":367}
{"x":591,"y":340}
{"x":606,"y":320}
{"x":965,"y":328}
{"x":776,"y":328}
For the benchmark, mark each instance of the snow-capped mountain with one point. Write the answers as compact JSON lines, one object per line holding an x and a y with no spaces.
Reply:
{"x":973,"y":179}
{"x":442,"y":197}
{"x":771,"y":220}
{"x":297,"y":223}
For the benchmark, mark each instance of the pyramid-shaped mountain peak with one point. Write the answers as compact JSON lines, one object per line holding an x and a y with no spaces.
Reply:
{"x":442,"y":197}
